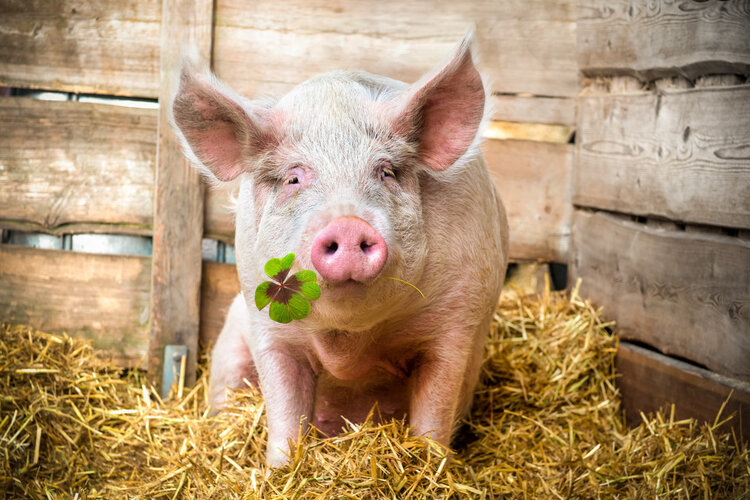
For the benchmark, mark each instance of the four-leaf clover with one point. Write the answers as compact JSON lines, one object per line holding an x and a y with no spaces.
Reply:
{"x":289,"y":296}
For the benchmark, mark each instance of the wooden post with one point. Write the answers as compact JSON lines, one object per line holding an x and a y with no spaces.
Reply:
{"x":178,"y":216}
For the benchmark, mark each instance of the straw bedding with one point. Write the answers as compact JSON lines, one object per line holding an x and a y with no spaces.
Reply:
{"x":546,"y":423}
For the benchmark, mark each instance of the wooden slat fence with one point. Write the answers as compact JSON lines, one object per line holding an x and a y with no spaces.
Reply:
{"x":75,"y":167}
{"x":662,"y":194}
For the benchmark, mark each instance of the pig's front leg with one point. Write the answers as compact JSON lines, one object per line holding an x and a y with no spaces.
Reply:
{"x":288,"y":387}
{"x":443,"y":383}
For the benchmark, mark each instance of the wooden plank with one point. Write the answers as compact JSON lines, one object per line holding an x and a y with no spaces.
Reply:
{"x":73,"y":166}
{"x":533,"y":179}
{"x":219,"y":214}
{"x":100,"y":297}
{"x":685,"y":293}
{"x":219,"y":288}
{"x":178,"y":216}
{"x":107,"y":46}
{"x":680,"y":154}
{"x":660,"y":39}
{"x":525,"y":46}
{"x":533,"y":109}
{"x":650,"y":381}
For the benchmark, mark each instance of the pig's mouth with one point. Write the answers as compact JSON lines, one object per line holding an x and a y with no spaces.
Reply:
{"x":348,"y":284}
{"x":349,"y":289}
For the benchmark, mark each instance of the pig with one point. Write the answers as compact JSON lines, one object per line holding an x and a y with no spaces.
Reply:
{"x":365,"y":179}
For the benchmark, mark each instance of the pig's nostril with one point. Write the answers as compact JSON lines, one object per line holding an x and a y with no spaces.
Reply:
{"x":331,"y":249}
{"x":364,"y":246}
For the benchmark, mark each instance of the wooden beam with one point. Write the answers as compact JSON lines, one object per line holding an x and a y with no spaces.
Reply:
{"x":685,"y":293}
{"x":104,"y":298}
{"x":662,"y":39}
{"x":106,"y":47}
{"x":534,"y":179}
{"x":74,"y":166}
{"x":650,"y":381}
{"x":680,"y":154}
{"x":533,"y":109}
{"x":178,"y":218}
{"x":524,"y":46}
{"x":219,"y":288}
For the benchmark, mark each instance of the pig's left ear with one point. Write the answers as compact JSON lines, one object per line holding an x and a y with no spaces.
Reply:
{"x":443,"y":110}
{"x":221,"y":131}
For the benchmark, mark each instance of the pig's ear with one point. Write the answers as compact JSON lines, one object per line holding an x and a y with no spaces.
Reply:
{"x":220,"y":130}
{"x":443,"y":110}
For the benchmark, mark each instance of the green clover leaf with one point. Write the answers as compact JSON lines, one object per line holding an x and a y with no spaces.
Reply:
{"x":289,"y":296}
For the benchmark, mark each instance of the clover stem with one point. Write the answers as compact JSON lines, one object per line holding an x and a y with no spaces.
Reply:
{"x":407,"y":283}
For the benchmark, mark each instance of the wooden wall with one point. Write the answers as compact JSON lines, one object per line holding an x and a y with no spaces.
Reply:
{"x":78,"y":167}
{"x":661,"y":192}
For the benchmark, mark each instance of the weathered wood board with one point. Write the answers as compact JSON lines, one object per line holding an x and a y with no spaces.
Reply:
{"x":650,"y":381}
{"x":525,"y":46}
{"x":71,"y":166}
{"x":219,"y":212}
{"x":680,"y":154}
{"x":178,"y":211}
{"x":100,"y":297}
{"x":112,"y":47}
{"x":685,"y":293}
{"x":534,"y":182}
{"x":219,"y":288}
{"x":663,"y":38}
{"x":93,"y":171}
{"x":533,"y":109}
{"x":106,"y":46}
{"x":533,"y":179}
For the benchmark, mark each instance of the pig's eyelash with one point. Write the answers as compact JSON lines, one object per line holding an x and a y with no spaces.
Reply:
{"x":386,"y":169}
{"x":291,"y":180}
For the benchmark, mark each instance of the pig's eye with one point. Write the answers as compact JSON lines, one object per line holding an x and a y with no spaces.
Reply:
{"x":386,"y":169}
{"x":292,"y":180}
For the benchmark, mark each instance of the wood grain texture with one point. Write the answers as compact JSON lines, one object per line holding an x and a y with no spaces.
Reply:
{"x":178,"y":215}
{"x":685,"y":293}
{"x":219,"y":213}
{"x":650,"y":381}
{"x":100,"y":297}
{"x":73,"y":165}
{"x":525,"y":46}
{"x":664,"y":38}
{"x":534,"y":183}
{"x":533,"y":109}
{"x":107,"y":46}
{"x":680,"y":154}
{"x":219,"y":288}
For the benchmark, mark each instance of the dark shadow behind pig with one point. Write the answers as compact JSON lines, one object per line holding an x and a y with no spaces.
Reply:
{"x":364,"y":178}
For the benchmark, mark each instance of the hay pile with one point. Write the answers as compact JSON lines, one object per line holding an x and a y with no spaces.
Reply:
{"x":546,"y":424}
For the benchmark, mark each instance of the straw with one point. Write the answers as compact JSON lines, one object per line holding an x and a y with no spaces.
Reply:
{"x":546,"y":423}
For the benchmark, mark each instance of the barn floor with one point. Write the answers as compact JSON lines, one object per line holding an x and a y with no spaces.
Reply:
{"x":546,"y":424}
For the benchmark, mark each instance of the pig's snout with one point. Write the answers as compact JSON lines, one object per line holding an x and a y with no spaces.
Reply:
{"x":348,"y":248}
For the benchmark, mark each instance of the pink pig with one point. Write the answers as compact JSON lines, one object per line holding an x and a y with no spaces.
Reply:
{"x":364,"y":178}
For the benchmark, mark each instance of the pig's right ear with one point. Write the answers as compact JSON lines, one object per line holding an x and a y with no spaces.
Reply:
{"x":443,"y":111}
{"x":220,"y":129}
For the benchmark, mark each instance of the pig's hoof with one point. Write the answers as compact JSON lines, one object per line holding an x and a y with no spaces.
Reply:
{"x":275,"y":457}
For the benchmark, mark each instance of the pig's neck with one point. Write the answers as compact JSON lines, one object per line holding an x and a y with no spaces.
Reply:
{"x":349,"y":355}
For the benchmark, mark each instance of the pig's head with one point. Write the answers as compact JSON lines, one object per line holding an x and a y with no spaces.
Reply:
{"x":334,"y":172}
